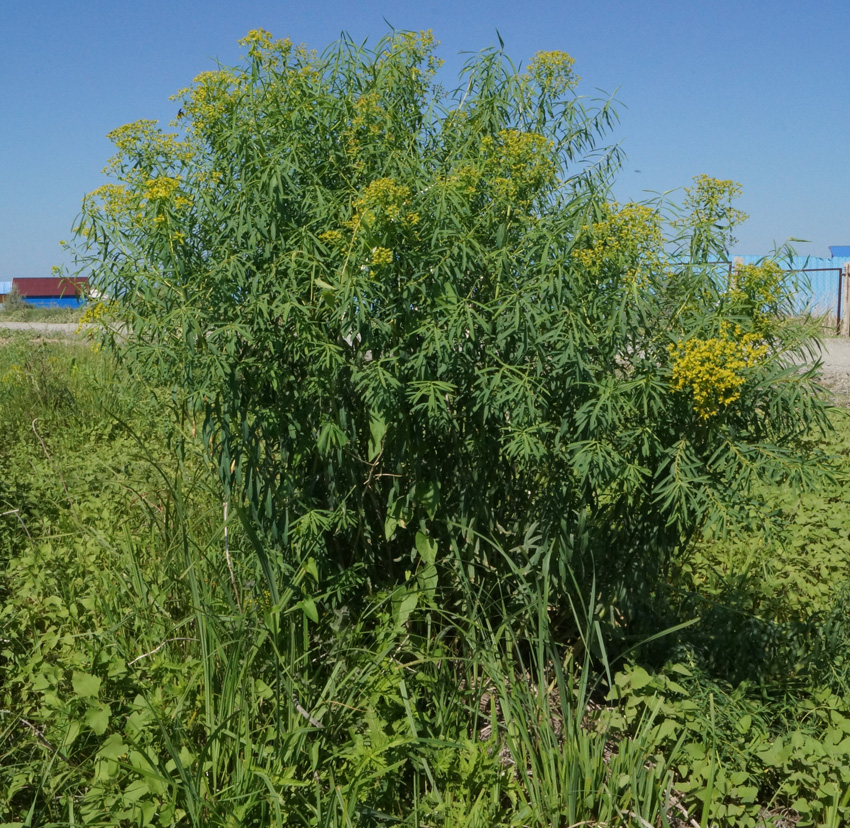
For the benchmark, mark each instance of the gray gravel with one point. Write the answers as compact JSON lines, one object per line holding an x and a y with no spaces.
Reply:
{"x":47,"y":328}
{"x":836,"y":366}
{"x":836,"y":355}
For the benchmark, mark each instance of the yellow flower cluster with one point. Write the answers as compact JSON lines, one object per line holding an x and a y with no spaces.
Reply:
{"x":381,"y":256}
{"x":385,"y":199}
{"x":759,"y":289}
{"x":419,"y":45}
{"x":258,"y":602}
{"x":116,"y":200}
{"x":14,"y":376}
{"x":518,"y":164}
{"x":710,"y":200}
{"x":553,"y":72}
{"x":143,"y":140}
{"x":377,"y":121}
{"x":208,"y":177}
{"x":332,"y":237}
{"x":211,"y":97}
{"x":161,"y":188}
{"x":368,"y":125}
{"x":629,"y":242}
{"x":94,"y":314}
{"x":257,"y":39}
{"x":713,"y":370}
{"x":131,"y":135}
{"x":464,"y":180}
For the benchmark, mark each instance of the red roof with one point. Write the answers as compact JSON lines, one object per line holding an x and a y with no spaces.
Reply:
{"x":51,"y":286}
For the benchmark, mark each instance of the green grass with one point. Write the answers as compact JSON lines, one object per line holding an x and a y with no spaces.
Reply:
{"x":31,"y":313}
{"x":144,"y":682}
{"x":150,"y":674}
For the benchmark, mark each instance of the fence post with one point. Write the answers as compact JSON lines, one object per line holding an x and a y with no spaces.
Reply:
{"x":737,"y":264}
{"x":844,"y":321}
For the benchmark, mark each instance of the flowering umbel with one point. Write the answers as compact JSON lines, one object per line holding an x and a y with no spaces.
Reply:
{"x":714,"y":370}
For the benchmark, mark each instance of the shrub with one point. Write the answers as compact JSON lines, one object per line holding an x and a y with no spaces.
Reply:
{"x":413,"y":320}
{"x":14,"y":301}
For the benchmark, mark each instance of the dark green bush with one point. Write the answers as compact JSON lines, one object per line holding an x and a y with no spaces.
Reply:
{"x":413,"y":320}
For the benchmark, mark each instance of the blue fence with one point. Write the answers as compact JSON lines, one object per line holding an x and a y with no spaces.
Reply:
{"x":55,"y":301}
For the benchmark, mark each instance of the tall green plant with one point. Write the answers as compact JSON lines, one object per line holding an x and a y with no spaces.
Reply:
{"x":405,"y":316}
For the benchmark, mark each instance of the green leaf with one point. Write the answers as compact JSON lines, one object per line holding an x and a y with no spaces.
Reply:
{"x":428,"y":497}
{"x":377,"y":430}
{"x":404,"y":602}
{"x":113,"y":747}
{"x":311,"y":569}
{"x":667,"y":728}
{"x":426,"y":548}
{"x":777,"y":754}
{"x":71,"y":734}
{"x":396,"y":516}
{"x":135,"y":791}
{"x":97,"y":718}
{"x":427,"y":579}
{"x":85,"y":685}
{"x":637,"y":678}
{"x":308,"y":607}
{"x":390,"y":525}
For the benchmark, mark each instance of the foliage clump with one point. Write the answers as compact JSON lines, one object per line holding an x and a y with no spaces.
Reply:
{"x":411,"y":320}
{"x":14,"y":301}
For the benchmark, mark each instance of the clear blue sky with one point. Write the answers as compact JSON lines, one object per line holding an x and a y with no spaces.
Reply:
{"x":752,"y":90}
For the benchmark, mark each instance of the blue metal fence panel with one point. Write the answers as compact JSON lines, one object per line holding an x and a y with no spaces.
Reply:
{"x":55,"y":301}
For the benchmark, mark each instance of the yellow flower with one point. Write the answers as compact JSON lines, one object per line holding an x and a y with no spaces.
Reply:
{"x":161,"y":188}
{"x":386,"y":196}
{"x":553,"y":71}
{"x":714,"y":370}
{"x":382,"y":207}
{"x":381,"y":256}
{"x":519,"y":164}
{"x":758,"y":290}
{"x":628,"y":244}
{"x":94,"y":313}
{"x":331,"y":237}
{"x":256,"y":40}
{"x":116,"y":201}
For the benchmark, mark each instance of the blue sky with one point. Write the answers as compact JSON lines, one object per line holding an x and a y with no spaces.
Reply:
{"x":751,"y":90}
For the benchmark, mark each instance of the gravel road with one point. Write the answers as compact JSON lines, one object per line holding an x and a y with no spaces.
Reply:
{"x":60,"y":329}
{"x":836,"y":365}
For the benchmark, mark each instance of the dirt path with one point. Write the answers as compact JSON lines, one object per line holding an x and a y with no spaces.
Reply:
{"x":836,"y":355}
{"x":836,"y":366}
{"x":56,"y":329}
